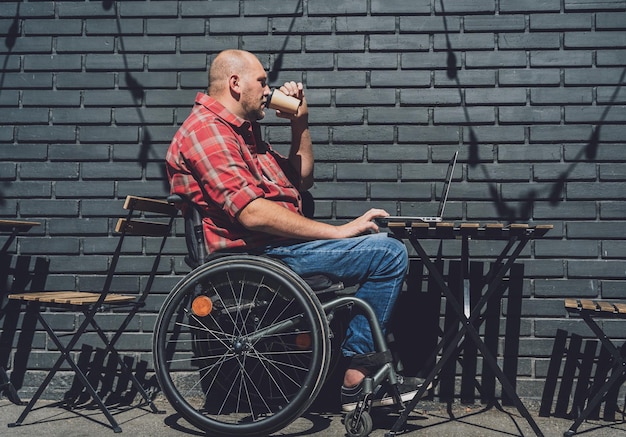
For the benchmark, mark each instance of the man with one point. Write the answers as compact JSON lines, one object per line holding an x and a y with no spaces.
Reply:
{"x":251,"y":199}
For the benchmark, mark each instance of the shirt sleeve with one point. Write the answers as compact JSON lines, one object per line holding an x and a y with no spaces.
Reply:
{"x":223,"y":167}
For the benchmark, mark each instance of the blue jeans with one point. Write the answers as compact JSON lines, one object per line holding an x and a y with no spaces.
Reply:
{"x":377,"y":262}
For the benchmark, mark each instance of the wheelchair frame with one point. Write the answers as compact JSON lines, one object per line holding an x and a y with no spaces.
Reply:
{"x":242,"y":344}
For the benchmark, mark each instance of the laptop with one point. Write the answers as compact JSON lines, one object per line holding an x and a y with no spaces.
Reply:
{"x":384,"y":221}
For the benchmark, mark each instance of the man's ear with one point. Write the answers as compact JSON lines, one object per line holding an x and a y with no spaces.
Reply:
{"x":233,"y":83}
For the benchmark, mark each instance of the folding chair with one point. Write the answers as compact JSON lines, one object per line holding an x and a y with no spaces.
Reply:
{"x":589,"y":310}
{"x":90,"y":303}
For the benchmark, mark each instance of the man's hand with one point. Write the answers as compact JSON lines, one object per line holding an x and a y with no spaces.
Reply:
{"x":294,"y":89}
{"x":364,"y":224}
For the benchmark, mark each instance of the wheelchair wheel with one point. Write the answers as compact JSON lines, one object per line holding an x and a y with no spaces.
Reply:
{"x":241,"y":346}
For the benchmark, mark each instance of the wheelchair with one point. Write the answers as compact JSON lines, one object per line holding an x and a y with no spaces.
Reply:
{"x":242,"y":345}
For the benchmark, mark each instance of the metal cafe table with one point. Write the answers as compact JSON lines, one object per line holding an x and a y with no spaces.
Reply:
{"x":515,"y":237}
{"x":11,"y":229}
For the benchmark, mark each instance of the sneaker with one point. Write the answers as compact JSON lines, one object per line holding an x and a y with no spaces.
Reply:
{"x":407,"y":386}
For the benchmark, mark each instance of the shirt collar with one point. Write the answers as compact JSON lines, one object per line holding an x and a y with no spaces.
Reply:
{"x":220,"y":111}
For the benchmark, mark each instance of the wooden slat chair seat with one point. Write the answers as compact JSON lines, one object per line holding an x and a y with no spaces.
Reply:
{"x":589,"y":310}
{"x":91,"y":303}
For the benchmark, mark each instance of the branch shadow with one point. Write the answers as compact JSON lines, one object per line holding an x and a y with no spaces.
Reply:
{"x":555,"y":191}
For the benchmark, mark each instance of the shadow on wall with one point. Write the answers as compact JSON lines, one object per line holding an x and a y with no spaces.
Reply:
{"x":524,"y":212}
{"x":506,"y":211}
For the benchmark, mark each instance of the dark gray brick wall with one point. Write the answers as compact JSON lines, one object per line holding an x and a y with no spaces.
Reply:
{"x":531,"y":92}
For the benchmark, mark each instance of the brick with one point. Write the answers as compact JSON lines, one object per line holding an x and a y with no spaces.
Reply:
{"x":595,"y":269}
{"x":24,"y":116}
{"x":73,"y":9}
{"x":399,"y":43}
{"x":318,"y":79}
{"x":610,"y":58}
{"x":368,"y":171}
{"x":387,"y":61}
{"x":339,"y":116}
{"x":529,"y":115}
{"x":556,"y":172}
{"x":362,"y":134}
{"x":41,"y":246}
{"x":379,"y":96}
{"x":440,"y":97}
{"x":48,"y":171}
{"x":400,"y":79}
{"x":159,"y":26}
{"x":368,"y":25}
{"x":468,"y":41}
{"x":194,"y":44}
{"x":212,"y":8}
{"x":498,"y":96}
{"x":301,"y":25}
{"x":595,"y":114}
{"x":55,"y":62}
{"x":141,"y":116}
{"x":77,"y":152}
{"x":108,"y":134}
{"x":494,"y":23}
{"x":52,"y":27}
{"x":397,"y":116}
{"x":610,"y":20}
{"x":467,"y":78}
{"x":495,"y":134}
{"x":117,"y":171}
{"x":594,"y":230}
{"x":537,"y":40}
{"x":594,"y":39}
{"x":613,"y":249}
{"x":159,"y":9}
{"x":474,"y":115}
{"x":27,"y":81}
{"x":23,"y":152}
{"x":330,"y":7}
{"x":598,"y":76}
{"x":561,"y":96}
{"x":429,"y":24}
{"x":377,"y":152}
{"x":517,"y":6}
{"x":400,"y":7}
{"x":47,"y":134}
{"x":238,"y":25}
{"x":337,"y":43}
{"x":560,"y":288}
{"x":560,"y":58}
{"x":65,"y":189}
{"x":49,"y":208}
{"x":115,"y":62}
{"x":117,"y":26}
{"x":84,"y":81}
{"x":578,"y":5}
{"x":560,"y":22}
{"x":588,"y":190}
{"x":30,"y":45}
{"x":611,"y":210}
{"x":80,"y":116}
{"x":497,"y":59}
{"x":51,"y":98}
{"x":612,"y":172}
{"x":99,"y":44}
{"x":428,"y":134}
{"x":148,"y":44}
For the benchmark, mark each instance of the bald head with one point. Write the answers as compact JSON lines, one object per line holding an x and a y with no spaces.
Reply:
{"x":225,"y":65}
{"x":238,"y":81}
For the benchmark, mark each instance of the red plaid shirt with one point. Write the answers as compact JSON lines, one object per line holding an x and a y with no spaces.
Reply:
{"x":220,"y":162}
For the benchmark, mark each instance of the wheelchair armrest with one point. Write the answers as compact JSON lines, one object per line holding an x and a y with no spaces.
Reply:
{"x":194,"y":233}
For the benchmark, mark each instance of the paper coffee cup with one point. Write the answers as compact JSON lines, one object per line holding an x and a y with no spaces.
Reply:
{"x":282,"y":102}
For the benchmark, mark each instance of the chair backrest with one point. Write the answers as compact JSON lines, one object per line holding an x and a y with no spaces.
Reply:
{"x":194,"y":234}
{"x":139,"y":222}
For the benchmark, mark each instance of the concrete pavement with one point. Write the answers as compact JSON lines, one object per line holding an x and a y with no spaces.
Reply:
{"x":430,"y":419}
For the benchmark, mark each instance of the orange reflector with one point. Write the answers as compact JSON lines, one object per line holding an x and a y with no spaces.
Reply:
{"x":202,"y":306}
{"x":303,"y":341}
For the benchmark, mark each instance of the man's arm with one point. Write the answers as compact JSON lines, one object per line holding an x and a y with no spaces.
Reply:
{"x":301,"y":151}
{"x":266,"y":216}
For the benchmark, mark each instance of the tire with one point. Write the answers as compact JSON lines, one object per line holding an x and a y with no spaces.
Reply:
{"x":241,"y":346}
